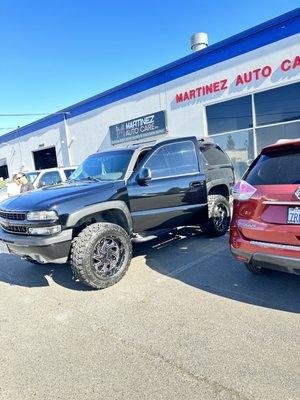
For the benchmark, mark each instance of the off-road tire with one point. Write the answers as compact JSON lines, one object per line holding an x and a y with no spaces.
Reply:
{"x":254,"y":269}
{"x":211,"y":228}
{"x":82,"y":251}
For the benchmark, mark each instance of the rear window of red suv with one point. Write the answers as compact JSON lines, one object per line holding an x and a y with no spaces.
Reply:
{"x":280,"y":167}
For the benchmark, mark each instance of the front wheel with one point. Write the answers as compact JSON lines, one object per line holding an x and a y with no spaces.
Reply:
{"x":218,"y":216}
{"x":101,"y":255}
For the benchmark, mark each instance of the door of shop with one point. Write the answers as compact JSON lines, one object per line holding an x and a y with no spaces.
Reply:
{"x":44,"y":159}
{"x":3,"y":169}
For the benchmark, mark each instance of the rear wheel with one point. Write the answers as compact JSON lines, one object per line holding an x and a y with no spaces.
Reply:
{"x":255,"y":269}
{"x":101,"y":255}
{"x":218,"y":216}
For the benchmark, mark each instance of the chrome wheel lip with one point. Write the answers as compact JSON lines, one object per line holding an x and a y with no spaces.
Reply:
{"x":220,"y":216}
{"x":107,"y":256}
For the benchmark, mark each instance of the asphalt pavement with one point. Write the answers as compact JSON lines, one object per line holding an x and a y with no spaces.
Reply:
{"x":186,"y":322}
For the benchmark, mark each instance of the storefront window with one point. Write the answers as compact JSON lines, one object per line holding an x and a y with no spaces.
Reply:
{"x":239,"y":147}
{"x":271,"y":134}
{"x":229,"y":115}
{"x":228,"y":122}
{"x":278,"y":105}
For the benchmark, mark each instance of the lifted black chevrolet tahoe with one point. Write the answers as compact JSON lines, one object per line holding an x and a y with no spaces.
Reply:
{"x":115,"y":196}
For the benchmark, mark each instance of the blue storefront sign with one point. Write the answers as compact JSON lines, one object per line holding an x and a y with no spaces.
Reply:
{"x":139,"y":128}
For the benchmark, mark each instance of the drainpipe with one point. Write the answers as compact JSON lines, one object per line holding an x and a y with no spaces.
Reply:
{"x":68,"y":141}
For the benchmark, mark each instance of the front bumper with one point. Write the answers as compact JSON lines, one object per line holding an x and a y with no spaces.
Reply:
{"x":44,"y":249}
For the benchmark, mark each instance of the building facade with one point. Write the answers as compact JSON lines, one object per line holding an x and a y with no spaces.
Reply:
{"x":243,"y":93}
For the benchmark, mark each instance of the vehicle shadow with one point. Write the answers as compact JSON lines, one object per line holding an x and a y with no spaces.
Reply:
{"x":188,"y":256}
{"x":207,"y":264}
{"x":21,"y":273}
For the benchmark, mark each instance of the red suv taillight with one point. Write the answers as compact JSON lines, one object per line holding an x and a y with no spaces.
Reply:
{"x":243,"y":191}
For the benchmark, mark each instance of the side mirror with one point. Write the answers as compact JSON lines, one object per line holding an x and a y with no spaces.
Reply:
{"x":144,"y":176}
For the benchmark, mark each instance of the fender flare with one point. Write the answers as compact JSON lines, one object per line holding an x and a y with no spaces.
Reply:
{"x":97,"y":208}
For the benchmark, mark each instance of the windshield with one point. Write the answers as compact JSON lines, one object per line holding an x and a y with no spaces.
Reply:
{"x":107,"y":166}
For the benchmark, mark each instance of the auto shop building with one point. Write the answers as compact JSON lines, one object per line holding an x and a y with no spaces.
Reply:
{"x":243,"y":93}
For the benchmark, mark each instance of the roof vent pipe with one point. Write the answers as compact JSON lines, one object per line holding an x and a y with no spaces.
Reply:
{"x":199,"y":41}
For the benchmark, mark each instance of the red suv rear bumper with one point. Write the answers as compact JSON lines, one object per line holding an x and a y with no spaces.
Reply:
{"x":274,"y":256}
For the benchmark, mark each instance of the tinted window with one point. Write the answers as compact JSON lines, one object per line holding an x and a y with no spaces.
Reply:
{"x":229,"y":115}
{"x":50,"y":178}
{"x":69,"y":172}
{"x":173,"y":159}
{"x":214,"y":155}
{"x":278,"y":168}
{"x":271,"y":134}
{"x":278,"y":105}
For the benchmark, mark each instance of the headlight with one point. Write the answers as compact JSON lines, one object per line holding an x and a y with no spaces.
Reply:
{"x":47,"y":230}
{"x":42,"y":216}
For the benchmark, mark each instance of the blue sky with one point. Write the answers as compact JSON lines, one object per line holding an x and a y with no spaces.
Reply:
{"x":56,"y":53}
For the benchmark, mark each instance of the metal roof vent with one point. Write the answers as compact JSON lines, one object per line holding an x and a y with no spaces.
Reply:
{"x":199,"y":41}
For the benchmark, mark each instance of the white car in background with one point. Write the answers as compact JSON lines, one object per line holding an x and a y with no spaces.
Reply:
{"x":49,"y":177}
{"x":39,"y":179}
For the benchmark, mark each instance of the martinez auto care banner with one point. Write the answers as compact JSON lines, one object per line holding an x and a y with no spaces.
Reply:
{"x":142,"y":127}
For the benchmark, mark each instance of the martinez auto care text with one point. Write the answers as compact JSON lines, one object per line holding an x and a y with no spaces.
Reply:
{"x":241,"y":79}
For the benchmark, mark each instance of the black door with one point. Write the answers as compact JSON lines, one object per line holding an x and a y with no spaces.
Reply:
{"x":176,"y":193}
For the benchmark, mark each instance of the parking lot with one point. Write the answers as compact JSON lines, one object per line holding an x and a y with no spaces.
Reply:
{"x":186,"y":322}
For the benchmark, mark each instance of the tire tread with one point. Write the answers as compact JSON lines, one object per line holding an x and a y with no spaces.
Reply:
{"x":208,"y":228}
{"x":78,"y":249}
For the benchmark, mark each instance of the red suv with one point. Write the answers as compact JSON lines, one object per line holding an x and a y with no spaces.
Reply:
{"x":265,"y":228}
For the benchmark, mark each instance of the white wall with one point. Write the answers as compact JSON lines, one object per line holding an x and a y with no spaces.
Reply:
{"x":89,"y":132}
{"x":19,"y":153}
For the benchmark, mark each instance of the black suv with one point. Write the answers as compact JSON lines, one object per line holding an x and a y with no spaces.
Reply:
{"x":117,"y":195}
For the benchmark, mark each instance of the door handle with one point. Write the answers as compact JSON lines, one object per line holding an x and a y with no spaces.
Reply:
{"x":195,"y":185}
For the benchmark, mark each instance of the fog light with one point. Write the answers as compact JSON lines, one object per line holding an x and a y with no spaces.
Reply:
{"x":45,"y":230}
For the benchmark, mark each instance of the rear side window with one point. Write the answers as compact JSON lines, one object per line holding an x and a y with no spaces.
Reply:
{"x":277,"y":168}
{"x":214,"y":155}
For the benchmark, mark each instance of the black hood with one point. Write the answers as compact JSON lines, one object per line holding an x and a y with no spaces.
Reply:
{"x":53,"y":196}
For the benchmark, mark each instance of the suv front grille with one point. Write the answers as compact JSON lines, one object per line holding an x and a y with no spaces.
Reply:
{"x":12,"y":222}
{"x":15,"y":229}
{"x":15,"y":216}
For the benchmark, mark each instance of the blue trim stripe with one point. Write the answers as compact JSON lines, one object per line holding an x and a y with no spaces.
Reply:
{"x":269,"y":32}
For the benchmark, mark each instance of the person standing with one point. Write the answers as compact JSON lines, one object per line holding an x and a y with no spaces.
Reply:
{"x":22,"y":181}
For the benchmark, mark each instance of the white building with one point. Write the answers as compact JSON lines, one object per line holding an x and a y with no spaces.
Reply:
{"x":243,"y":92}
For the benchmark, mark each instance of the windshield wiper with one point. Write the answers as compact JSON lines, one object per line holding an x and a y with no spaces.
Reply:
{"x":92,"y":178}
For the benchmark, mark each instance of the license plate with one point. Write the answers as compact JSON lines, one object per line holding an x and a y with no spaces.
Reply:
{"x":293,"y":215}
